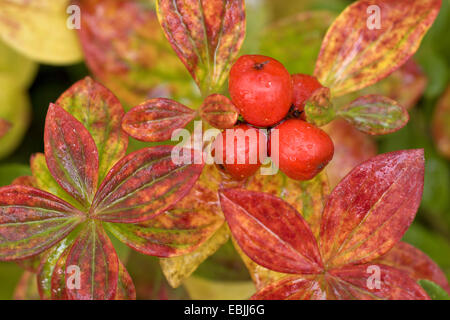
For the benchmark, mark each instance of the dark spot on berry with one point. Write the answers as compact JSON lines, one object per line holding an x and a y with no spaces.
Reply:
{"x":260,"y":66}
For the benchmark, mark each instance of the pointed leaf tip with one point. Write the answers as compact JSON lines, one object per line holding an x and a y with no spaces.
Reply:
{"x":372,"y":207}
{"x":146,"y":183}
{"x":270,"y":231}
{"x":32,"y":221}
{"x":71,"y":154}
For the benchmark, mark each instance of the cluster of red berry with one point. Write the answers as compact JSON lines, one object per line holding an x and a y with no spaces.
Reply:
{"x":267,"y":96}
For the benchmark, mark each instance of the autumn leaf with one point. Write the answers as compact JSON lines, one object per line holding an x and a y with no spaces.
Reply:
{"x":32,"y":221}
{"x":219,"y":111}
{"x":270,"y":231}
{"x":307,"y":197}
{"x":156,"y":119}
{"x":71,"y":154}
{"x":144,"y":184}
{"x":202,"y":201}
{"x":178,"y":269}
{"x":359,"y":225}
{"x":356,"y":52}
{"x":206,"y":35}
{"x":38,"y":29}
{"x":4,"y":127}
{"x":125,"y":48}
{"x":371,"y":208}
{"x":101,"y":114}
{"x":375,"y":115}
{"x":417,"y":264}
{"x":441,"y":124}
{"x":174,"y":233}
{"x":93,"y":248}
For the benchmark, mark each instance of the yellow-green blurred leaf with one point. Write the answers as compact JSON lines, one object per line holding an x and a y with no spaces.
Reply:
{"x":14,"y":108}
{"x":38,"y":29}
{"x":202,"y":289}
{"x":178,"y":269}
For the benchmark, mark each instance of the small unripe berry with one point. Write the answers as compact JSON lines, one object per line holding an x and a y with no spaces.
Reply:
{"x":249,"y":146}
{"x":261,"y":88}
{"x":304,"y":150}
{"x":304,"y":86}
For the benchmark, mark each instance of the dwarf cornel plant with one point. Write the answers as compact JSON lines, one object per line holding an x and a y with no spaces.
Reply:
{"x":297,"y":240}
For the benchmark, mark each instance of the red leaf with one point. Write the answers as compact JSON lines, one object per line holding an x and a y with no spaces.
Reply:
{"x":206,"y":35}
{"x":351,"y":147}
{"x":348,"y":283}
{"x":417,"y":264}
{"x":32,"y":221}
{"x":219,"y":111}
{"x":371,"y":208}
{"x":143,"y":185}
{"x":96,"y":257}
{"x":270,"y":231}
{"x":293,"y":288}
{"x":352,"y":282}
{"x":101,"y":114}
{"x":375,"y":115}
{"x":156,"y":119}
{"x":71,"y":154}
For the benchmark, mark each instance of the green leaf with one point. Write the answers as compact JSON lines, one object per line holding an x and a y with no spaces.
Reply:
{"x":434,"y":291}
{"x":375,"y":115}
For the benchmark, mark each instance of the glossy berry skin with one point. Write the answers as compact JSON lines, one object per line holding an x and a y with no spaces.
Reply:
{"x":252,"y":160}
{"x":261,"y":88}
{"x":304,"y":86}
{"x":304,"y":149}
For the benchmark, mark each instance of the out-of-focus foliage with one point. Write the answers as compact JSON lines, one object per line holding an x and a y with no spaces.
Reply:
{"x":281,"y":29}
{"x":39,"y":30}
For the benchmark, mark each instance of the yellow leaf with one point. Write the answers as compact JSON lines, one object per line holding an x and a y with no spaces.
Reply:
{"x":38,"y":29}
{"x":178,"y":269}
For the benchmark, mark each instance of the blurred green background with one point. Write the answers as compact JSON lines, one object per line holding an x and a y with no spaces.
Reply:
{"x":296,"y":46}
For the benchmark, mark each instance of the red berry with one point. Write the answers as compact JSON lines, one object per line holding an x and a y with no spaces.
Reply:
{"x":261,"y":88}
{"x":304,"y":150}
{"x":246,"y":142}
{"x":304,"y":86}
